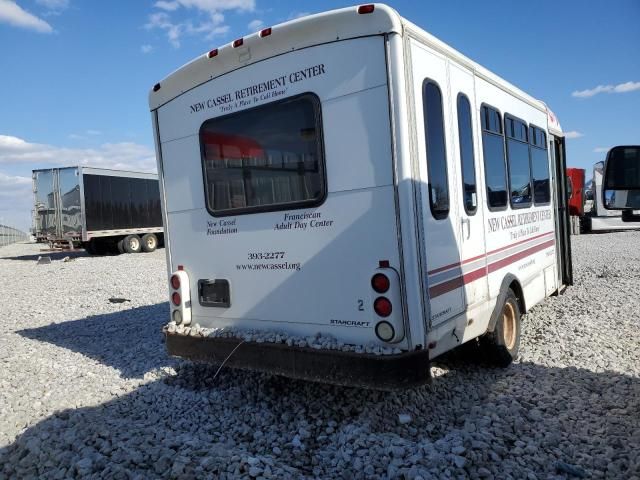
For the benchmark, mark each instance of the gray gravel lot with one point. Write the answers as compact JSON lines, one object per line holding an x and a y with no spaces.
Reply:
{"x":87,"y":390}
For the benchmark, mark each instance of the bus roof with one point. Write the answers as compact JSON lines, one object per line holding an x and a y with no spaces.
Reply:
{"x":314,"y":30}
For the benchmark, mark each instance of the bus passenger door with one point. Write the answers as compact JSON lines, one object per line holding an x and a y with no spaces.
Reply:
{"x":559,"y":186}
{"x":437,"y":185}
{"x":466,"y":157}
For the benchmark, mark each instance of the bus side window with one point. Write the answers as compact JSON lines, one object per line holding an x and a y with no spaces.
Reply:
{"x":516,"y":132}
{"x":467,"y":156}
{"x":436,"y":150}
{"x":539,"y":166}
{"x":494,"y":161}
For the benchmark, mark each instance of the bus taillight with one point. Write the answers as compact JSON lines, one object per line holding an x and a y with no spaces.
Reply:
{"x":380,"y":282}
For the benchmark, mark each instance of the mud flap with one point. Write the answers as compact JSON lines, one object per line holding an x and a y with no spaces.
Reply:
{"x":380,"y":372}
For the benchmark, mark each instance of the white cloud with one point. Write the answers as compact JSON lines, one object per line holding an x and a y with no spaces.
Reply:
{"x":13,"y":14}
{"x":55,"y":7}
{"x":573,"y":134}
{"x":123,"y":155}
{"x":16,"y":200}
{"x":146,"y":49}
{"x":209,"y":25}
{"x":255,"y":25}
{"x":294,"y":15}
{"x":620,"y":88}
{"x":94,"y":132}
{"x":601,"y":149}
{"x":211,"y":6}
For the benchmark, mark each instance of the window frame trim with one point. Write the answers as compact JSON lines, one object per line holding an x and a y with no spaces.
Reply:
{"x":506,"y":147}
{"x":276,"y":207}
{"x":547,"y":149}
{"x":469,"y":212}
{"x":439,"y":215}
{"x":504,"y":158}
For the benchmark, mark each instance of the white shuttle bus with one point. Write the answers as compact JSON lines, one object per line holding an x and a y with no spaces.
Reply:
{"x":359,"y":197}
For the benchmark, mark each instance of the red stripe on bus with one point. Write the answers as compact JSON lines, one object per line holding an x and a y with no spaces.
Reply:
{"x":520,"y":255}
{"x":450,"y":285}
{"x":457,"y":282}
{"x":468,"y":260}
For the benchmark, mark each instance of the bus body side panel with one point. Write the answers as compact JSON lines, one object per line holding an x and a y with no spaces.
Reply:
{"x":306,"y":270}
{"x":520,"y":241}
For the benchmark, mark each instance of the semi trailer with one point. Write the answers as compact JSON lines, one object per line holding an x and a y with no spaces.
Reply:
{"x":101,"y":210}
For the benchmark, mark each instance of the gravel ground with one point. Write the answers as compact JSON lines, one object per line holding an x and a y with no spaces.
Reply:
{"x":87,"y":390}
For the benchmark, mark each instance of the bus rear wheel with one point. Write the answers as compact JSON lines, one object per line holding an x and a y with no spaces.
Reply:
{"x":503,"y":343}
{"x":149,"y":242}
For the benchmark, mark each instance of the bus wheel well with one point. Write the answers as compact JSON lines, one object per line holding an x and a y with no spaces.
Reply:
{"x":517,"y":289}
{"x":510,"y":282}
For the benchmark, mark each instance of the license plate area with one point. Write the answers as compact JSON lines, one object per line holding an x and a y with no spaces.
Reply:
{"x":214,"y":293}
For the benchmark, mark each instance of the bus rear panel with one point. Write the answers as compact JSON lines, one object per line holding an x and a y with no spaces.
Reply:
{"x":280,"y":207}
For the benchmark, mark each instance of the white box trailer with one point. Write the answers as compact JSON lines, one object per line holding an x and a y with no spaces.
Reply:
{"x":359,"y":196}
{"x":102,"y":210}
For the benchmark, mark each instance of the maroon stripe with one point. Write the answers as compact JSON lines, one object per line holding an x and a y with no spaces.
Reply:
{"x":463,"y":262}
{"x":449,"y":285}
{"x":457,"y":282}
{"x":520,"y":255}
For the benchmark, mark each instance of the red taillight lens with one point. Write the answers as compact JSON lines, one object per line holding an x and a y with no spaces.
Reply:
{"x":366,"y":9}
{"x":382,"y":306}
{"x":175,"y":298}
{"x":265,"y":32}
{"x":380,"y":283}
{"x":213,"y":53}
{"x":175,"y":282}
{"x":238,"y":43}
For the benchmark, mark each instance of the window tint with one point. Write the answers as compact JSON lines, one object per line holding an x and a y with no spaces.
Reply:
{"x":266,"y":158}
{"x":493,"y":150}
{"x":540,"y":166}
{"x":518,"y":160}
{"x":436,"y":150}
{"x":465,"y":132}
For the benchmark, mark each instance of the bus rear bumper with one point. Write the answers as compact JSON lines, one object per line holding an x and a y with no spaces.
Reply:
{"x":381,"y":372}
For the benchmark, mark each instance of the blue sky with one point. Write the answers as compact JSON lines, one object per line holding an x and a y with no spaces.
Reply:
{"x":74,"y":75}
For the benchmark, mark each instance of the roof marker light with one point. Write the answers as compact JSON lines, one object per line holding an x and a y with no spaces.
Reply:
{"x":265,"y":32}
{"x":362,"y":9}
{"x":213,"y":53}
{"x":156,"y":87}
{"x":238,"y":43}
{"x":180,"y":267}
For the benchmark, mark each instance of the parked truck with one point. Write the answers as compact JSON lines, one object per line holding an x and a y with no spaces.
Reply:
{"x":101,"y":210}
{"x":597,"y":218}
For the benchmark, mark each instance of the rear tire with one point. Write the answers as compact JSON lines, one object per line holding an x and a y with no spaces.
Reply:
{"x":132,"y":244}
{"x":502,"y":345}
{"x":120,"y":246}
{"x":149,"y":243}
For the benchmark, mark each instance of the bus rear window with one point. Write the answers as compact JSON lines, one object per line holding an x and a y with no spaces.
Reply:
{"x":264,"y":159}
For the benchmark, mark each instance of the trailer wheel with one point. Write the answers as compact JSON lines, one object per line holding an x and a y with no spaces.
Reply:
{"x":120,"y":246}
{"x":132,"y":244}
{"x":503,"y":343}
{"x":149,"y":242}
